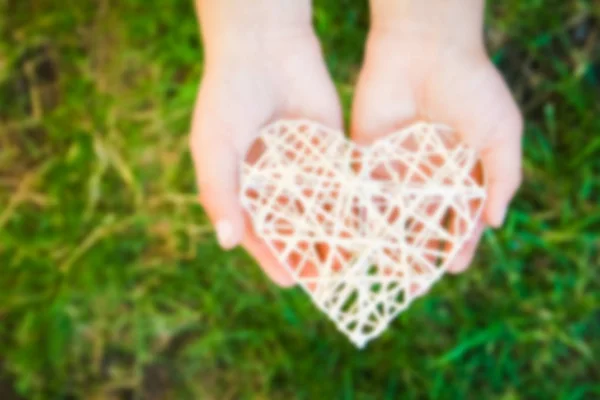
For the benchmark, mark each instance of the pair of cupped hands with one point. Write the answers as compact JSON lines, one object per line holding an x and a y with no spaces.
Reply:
{"x":410,"y":73}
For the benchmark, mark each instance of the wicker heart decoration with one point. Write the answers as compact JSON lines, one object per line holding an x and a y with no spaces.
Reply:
{"x":364,"y":230}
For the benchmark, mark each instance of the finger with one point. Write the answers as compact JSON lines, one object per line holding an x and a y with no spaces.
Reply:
{"x":461,"y":221}
{"x":217,"y":171}
{"x":217,"y":175}
{"x":272,"y":216}
{"x":217,"y":165}
{"x":502,"y":165}
{"x":490,"y":122}
{"x":267,"y":261}
{"x":465,"y":256}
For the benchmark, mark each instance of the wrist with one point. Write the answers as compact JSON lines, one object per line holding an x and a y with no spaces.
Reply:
{"x":455,"y":23}
{"x":234,"y":26}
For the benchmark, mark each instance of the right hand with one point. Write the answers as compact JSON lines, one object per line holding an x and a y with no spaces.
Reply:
{"x":244,"y":87}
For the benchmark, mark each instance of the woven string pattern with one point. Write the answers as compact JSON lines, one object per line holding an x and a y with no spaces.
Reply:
{"x":364,"y":230}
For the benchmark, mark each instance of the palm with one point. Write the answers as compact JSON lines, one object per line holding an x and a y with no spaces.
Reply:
{"x":236,"y":99}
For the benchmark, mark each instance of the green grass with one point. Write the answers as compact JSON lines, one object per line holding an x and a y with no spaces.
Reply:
{"x":111,"y":281}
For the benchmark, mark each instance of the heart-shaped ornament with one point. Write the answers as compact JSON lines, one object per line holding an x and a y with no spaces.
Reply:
{"x":364,"y":230}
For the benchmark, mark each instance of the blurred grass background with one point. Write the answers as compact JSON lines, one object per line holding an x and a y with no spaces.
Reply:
{"x":111,"y":282}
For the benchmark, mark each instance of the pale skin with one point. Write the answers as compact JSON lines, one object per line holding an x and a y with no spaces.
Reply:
{"x":424,"y":60}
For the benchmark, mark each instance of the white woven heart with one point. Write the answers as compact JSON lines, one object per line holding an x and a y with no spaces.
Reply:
{"x":363,"y":230}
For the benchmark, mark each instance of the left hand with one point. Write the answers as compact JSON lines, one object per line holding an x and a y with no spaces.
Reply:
{"x":418,"y":70}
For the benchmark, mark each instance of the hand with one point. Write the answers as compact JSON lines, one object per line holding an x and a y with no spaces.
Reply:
{"x":251,"y":78}
{"x":426,"y":61}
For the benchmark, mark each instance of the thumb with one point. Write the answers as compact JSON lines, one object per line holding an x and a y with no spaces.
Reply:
{"x":502,"y":165}
{"x":492,"y":123}
{"x":380,"y":106}
{"x":216,"y":165}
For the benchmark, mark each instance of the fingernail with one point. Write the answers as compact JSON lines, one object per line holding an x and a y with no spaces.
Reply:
{"x":225,"y":234}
